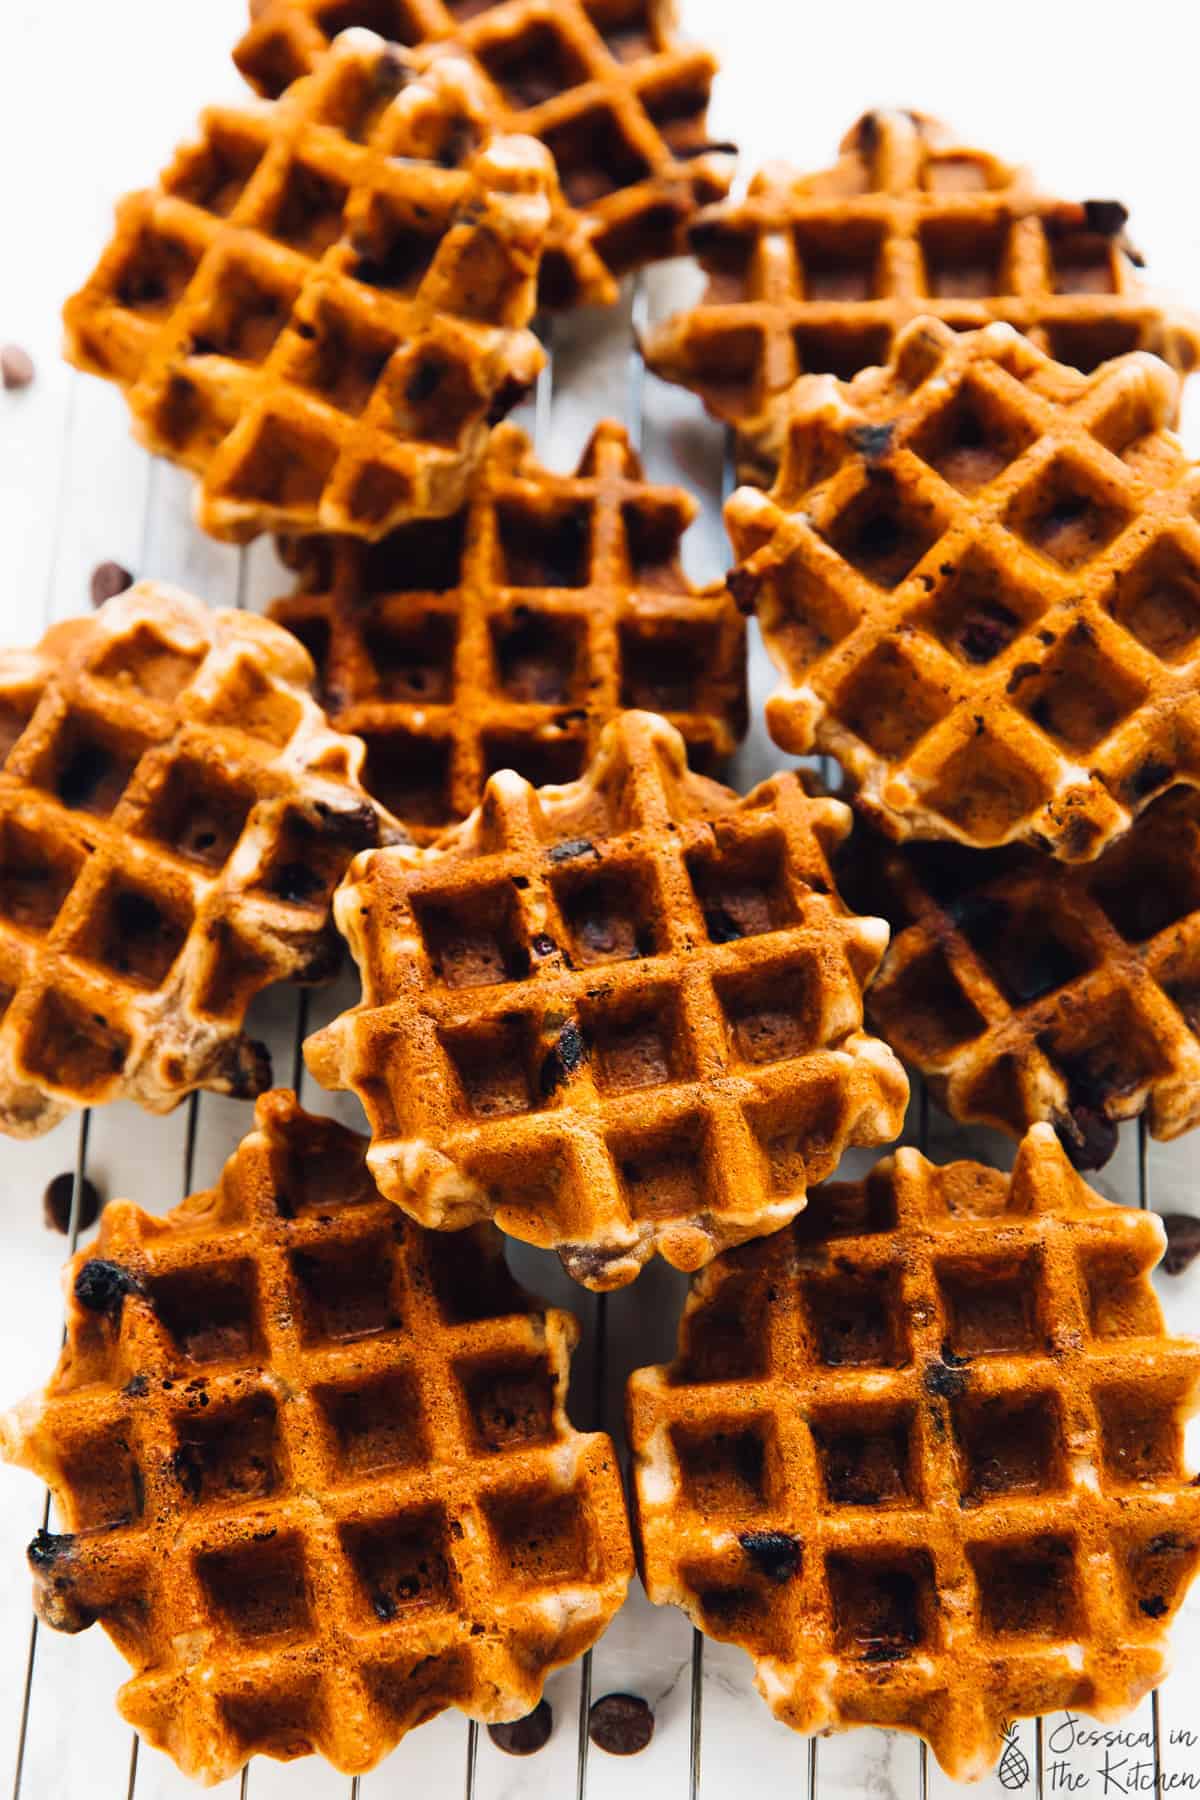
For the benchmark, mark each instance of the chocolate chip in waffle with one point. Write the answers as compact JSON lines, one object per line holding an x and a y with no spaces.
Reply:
{"x":175,"y":813}
{"x":322,"y":307}
{"x":921,"y":1455}
{"x":818,"y":274}
{"x":313,"y":1468}
{"x":509,"y":635}
{"x":619,"y":1017}
{"x":609,"y":88}
{"x":979,"y":573}
{"x":1023,"y":990}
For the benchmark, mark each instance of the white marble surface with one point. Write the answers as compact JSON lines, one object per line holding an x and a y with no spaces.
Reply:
{"x":92,"y":97}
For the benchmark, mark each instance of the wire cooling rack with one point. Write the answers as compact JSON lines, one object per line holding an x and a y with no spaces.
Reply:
{"x":712,"y":1732}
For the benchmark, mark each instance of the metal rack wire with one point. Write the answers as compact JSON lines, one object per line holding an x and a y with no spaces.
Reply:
{"x":808,"y":1752}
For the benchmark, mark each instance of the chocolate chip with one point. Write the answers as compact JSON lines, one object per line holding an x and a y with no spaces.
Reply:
{"x":108,"y":580}
{"x":524,"y":1737}
{"x":101,"y":1286}
{"x":1155,"y":1607}
{"x":621,"y":1724}
{"x":943,"y":1383}
{"x":16,"y":367}
{"x":56,"y":1203}
{"x":568,"y":1054}
{"x":1183,"y":1241}
{"x":872,"y":442}
{"x":743,"y":587}
{"x":774,"y":1553}
{"x":1088,"y":1136}
{"x":571,"y":848}
{"x":1108,"y":217}
{"x":48,"y":1546}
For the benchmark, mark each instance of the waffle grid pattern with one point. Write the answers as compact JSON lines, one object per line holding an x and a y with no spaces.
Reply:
{"x":619,"y":1017}
{"x":322,"y":307}
{"x":980,"y":575}
{"x":509,"y":636}
{"x":922,"y":1455}
{"x":315,"y":1467}
{"x":1023,"y":991}
{"x":174,"y":815}
{"x":820,"y":273}
{"x":609,"y":89}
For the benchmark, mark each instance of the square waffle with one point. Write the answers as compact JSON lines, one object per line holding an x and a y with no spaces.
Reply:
{"x":1023,"y":990}
{"x":321,"y":308}
{"x":979,"y":573}
{"x":606,"y":85}
{"x":619,"y":1017}
{"x":313,"y":1466}
{"x":922,"y":1455}
{"x":174,"y":815}
{"x":819,"y":273}
{"x":508,"y":636}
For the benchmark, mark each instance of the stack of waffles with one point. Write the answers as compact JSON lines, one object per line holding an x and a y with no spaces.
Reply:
{"x":921,"y":1452}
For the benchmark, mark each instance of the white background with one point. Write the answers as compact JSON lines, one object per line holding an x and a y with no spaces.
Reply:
{"x":1102,"y":100}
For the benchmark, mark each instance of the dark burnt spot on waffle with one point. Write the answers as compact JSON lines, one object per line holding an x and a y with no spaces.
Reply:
{"x":1027,"y":1458}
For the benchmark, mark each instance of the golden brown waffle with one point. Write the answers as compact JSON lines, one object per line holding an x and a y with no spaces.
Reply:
{"x":313,"y":1468}
{"x":508,"y":636}
{"x":819,"y":273}
{"x":979,"y":572}
{"x":1025,"y":991}
{"x":608,"y":88}
{"x":174,"y":815}
{"x":322,"y":306}
{"x":619,"y":1017}
{"x":922,"y":1455}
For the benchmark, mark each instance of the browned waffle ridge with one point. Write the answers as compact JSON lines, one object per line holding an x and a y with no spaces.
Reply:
{"x":1023,"y":990}
{"x":818,"y":274}
{"x":175,"y":813}
{"x":509,"y":635}
{"x":322,"y":307}
{"x":922,"y":1455}
{"x":610,"y":89}
{"x":979,"y":573}
{"x":619,"y":1017}
{"x":313,"y":1466}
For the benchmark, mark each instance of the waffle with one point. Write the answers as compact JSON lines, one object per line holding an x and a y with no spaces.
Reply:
{"x":174,"y":815}
{"x":322,"y":306}
{"x":619,"y":1017}
{"x":608,"y":88}
{"x":313,"y":1466}
{"x":1024,"y":991}
{"x":820,"y":273}
{"x":509,"y":636}
{"x":979,"y":572}
{"x":922,"y":1455}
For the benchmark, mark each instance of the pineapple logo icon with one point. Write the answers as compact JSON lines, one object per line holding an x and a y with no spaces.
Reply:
{"x":1014,"y":1764}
